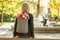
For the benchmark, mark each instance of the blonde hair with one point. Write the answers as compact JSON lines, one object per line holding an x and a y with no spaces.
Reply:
{"x":25,"y":7}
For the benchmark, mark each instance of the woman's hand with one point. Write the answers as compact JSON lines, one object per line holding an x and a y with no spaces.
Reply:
{"x":15,"y":37}
{"x":30,"y":37}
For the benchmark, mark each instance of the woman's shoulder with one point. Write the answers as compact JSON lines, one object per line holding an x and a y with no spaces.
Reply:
{"x":30,"y":14}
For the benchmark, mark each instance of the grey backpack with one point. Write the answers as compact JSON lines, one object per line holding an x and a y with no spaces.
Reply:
{"x":22,"y":26}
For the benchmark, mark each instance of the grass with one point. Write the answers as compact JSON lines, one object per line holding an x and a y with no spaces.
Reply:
{"x":7,"y":23}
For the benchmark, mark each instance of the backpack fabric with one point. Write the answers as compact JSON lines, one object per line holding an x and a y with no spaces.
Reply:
{"x":22,"y":26}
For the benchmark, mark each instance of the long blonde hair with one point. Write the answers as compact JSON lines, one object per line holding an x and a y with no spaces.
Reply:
{"x":25,"y":7}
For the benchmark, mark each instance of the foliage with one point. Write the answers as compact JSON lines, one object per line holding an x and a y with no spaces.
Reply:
{"x":54,"y":6}
{"x":9,"y":8}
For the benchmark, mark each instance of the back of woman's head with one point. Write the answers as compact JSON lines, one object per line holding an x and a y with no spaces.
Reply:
{"x":25,"y":7}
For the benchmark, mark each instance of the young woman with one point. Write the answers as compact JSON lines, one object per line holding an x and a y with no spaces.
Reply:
{"x":24,"y":27}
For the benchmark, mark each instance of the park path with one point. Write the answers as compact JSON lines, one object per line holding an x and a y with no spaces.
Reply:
{"x":6,"y":32}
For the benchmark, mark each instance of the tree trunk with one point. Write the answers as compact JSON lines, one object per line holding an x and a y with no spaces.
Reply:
{"x":38,"y":7}
{"x":2,"y":14}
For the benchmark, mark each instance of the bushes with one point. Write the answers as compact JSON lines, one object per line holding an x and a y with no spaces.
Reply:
{"x":7,"y":18}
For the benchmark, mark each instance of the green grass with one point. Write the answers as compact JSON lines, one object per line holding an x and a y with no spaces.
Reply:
{"x":7,"y":23}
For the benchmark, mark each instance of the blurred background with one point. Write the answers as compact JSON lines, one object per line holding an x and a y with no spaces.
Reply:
{"x":50,"y":9}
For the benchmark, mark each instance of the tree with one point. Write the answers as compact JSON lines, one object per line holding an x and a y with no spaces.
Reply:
{"x":38,"y":7}
{"x":9,"y":7}
{"x":12,"y":7}
{"x":54,"y":6}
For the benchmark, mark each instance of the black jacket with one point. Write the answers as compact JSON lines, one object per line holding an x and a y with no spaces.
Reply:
{"x":30,"y":26}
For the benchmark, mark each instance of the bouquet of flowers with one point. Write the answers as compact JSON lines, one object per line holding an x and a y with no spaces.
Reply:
{"x":22,"y":15}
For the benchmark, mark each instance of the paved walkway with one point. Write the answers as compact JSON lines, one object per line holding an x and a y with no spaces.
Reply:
{"x":6,"y":32}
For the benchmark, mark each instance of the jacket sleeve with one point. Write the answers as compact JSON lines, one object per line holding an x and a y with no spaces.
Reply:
{"x":15,"y":27}
{"x":32,"y":26}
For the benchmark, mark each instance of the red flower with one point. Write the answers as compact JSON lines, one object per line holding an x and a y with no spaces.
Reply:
{"x":22,"y":15}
